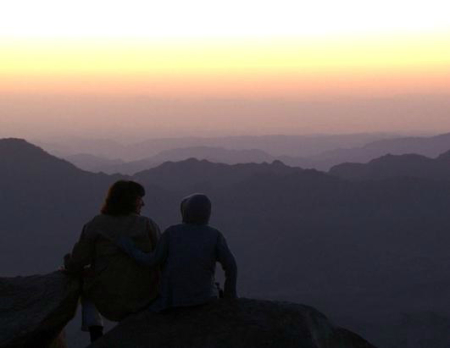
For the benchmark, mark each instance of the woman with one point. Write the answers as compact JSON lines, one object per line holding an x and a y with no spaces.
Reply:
{"x":188,"y":253}
{"x":112,"y":282}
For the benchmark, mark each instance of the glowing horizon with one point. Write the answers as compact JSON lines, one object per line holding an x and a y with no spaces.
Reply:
{"x":251,"y":51}
{"x":205,"y":68}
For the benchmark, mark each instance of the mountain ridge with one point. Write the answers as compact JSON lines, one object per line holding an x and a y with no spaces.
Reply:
{"x":389,"y":166}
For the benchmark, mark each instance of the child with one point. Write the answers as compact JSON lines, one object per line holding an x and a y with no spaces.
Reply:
{"x":187,"y":254}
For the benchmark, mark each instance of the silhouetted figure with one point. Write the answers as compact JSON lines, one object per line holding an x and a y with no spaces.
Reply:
{"x":114,"y":284}
{"x":188,"y":253}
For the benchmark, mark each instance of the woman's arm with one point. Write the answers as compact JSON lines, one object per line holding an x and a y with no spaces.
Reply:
{"x":82,"y":253}
{"x":154,"y":233}
{"x":228,"y":262}
{"x":147,"y":259}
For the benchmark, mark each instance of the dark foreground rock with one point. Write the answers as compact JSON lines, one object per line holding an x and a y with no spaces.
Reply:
{"x":232,"y":324}
{"x":35,"y":309}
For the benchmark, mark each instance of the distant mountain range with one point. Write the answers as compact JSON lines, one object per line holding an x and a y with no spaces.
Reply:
{"x":391,"y":166}
{"x":426,"y":146}
{"x":365,"y":251}
{"x":275,"y":145}
{"x":97,"y":164}
{"x":211,"y":154}
{"x":234,"y":153}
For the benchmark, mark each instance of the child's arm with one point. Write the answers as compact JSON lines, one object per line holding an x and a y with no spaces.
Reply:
{"x":226,"y":259}
{"x":147,"y":259}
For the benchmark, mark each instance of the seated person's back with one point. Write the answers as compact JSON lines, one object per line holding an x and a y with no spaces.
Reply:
{"x":114,"y":283}
{"x":188,"y":273}
{"x":188,"y":253}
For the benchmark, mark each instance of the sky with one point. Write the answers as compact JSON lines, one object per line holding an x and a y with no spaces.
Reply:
{"x":137,"y":69}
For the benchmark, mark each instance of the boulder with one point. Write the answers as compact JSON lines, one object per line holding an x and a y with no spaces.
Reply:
{"x":231,"y":324}
{"x":35,"y":309}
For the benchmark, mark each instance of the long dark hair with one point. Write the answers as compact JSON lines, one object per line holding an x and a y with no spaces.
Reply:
{"x":121,"y":198}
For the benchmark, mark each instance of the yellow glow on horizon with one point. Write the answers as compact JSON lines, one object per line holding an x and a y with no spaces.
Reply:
{"x":207,"y":67}
{"x":47,"y":57}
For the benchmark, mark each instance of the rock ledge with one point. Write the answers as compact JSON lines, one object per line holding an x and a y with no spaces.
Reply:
{"x":35,"y":309}
{"x":232,"y":324}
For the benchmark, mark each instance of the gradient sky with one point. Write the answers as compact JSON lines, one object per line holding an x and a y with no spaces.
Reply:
{"x":136,"y":69}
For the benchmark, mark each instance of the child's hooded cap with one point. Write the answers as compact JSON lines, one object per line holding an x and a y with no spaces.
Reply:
{"x":196,"y":209}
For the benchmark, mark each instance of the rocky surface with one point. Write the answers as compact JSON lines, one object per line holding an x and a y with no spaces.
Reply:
{"x":232,"y":324}
{"x":35,"y":309}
